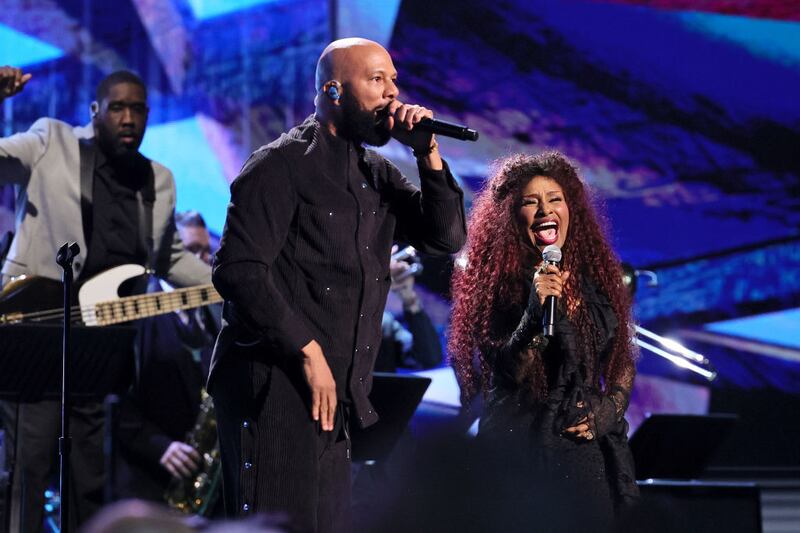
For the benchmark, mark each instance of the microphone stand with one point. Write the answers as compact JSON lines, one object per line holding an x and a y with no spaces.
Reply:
{"x":66,"y":254}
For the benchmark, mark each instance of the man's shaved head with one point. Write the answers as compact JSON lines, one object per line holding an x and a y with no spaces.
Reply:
{"x":340,"y":58}
{"x":364,"y":78}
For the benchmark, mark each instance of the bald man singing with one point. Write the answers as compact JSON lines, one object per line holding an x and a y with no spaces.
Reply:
{"x":303,"y":266}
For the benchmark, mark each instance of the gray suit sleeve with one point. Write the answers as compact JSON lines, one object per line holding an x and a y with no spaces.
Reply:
{"x":20,"y":153}
{"x":183,"y":268}
{"x":172,"y":262}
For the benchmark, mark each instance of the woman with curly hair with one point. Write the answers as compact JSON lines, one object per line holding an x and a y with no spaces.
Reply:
{"x":557,"y":403}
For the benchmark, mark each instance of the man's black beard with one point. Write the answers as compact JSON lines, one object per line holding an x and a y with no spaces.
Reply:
{"x":361,"y":127}
{"x":115,"y":152}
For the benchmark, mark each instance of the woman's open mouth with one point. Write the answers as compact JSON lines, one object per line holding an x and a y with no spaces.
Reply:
{"x":545,"y":232}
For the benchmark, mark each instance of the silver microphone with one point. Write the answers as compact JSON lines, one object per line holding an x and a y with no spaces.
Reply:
{"x":552,"y":256}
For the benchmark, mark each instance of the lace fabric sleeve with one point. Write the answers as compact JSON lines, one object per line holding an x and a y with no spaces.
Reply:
{"x":506,"y":355}
{"x":607,"y":411}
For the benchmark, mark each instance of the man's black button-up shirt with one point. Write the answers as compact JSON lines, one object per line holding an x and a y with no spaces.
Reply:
{"x":305,"y":250}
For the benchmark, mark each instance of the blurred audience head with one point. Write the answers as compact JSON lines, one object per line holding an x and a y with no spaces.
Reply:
{"x":137,"y":516}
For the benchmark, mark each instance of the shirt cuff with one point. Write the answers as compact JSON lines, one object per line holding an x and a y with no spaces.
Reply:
{"x":438,"y":183}
{"x":294,"y":334}
{"x":157,"y":446}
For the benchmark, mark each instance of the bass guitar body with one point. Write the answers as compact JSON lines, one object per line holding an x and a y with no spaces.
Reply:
{"x":26,"y":295}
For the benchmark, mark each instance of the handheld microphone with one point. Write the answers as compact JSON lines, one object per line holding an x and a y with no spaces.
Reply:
{"x":447,"y":129}
{"x":552,"y":256}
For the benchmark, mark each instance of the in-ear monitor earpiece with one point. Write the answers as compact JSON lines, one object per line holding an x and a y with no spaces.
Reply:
{"x":333,"y":90}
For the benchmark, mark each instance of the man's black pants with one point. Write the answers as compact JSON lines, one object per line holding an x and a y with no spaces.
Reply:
{"x":275,"y":458}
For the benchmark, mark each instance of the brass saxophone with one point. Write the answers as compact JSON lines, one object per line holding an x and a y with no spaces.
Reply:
{"x":198,"y":494}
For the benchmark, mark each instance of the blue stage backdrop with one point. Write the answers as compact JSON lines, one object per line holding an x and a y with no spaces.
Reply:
{"x":683,"y":115}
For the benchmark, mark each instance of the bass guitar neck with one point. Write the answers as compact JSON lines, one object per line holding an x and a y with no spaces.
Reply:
{"x":36,"y":299}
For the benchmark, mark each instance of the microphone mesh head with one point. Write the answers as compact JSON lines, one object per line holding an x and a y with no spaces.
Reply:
{"x":551,"y":253}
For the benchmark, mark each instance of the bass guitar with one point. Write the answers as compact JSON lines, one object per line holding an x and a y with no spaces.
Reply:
{"x":26,"y":299}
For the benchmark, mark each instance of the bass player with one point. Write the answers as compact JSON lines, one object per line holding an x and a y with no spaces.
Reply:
{"x":90,"y":185}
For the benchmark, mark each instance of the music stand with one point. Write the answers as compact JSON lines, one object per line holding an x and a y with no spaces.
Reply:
{"x":395,"y":398}
{"x":30,"y":361}
{"x":671,"y":446}
{"x":102,"y":362}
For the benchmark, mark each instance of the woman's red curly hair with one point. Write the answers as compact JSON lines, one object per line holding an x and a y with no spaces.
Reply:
{"x":498,"y":261}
